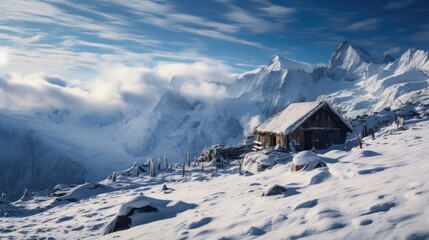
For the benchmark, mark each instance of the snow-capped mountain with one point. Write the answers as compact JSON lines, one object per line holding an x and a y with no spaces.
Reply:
{"x":349,"y":63}
{"x":279,"y":63}
{"x":177,"y":125}
{"x":412,"y":59}
{"x":347,"y":56}
{"x":352,"y":78}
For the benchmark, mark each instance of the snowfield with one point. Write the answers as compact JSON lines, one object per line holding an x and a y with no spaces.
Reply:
{"x":378,"y":192}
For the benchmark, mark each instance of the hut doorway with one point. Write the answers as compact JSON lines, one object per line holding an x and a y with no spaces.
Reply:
{"x":272,"y":140}
{"x":308,"y":140}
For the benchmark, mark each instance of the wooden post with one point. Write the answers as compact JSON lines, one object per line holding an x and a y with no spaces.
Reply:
{"x":183,"y":170}
{"x":359,"y":139}
{"x":188,"y":159}
{"x":365,"y":130}
{"x":152,"y":168}
{"x":239,"y":167}
{"x":166,"y":162}
{"x":400,"y":123}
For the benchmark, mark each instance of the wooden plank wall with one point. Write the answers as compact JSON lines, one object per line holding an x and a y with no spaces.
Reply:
{"x":325,"y":129}
{"x":322,"y":118}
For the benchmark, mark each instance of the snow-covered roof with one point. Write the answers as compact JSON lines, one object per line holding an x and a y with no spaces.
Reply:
{"x":293,"y":116}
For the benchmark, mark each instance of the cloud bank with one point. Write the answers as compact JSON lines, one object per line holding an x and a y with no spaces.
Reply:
{"x":114,"y":90}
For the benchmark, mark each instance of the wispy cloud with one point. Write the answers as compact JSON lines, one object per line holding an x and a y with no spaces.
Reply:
{"x":94,"y":41}
{"x":166,"y":16}
{"x":393,"y":50}
{"x":265,"y":17}
{"x":30,"y":11}
{"x":278,"y":11}
{"x":364,"y":25}
{"x":248,"y":22}
{"x":13,"y":29}
{"x":422,"y":36}
{"x":80,"y":39}
{"x":249,"y":65}
{"x":32,"y":39}
{"x":398,"y":4}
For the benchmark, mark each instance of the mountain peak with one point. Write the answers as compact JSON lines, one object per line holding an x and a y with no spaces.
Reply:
{"x":347,"y":55}
{"x":388,"y":59}
{"x":277,"y":58}
{"x":279,"y":63}
{"x":414,"y":58}
{"x":344,"y":43}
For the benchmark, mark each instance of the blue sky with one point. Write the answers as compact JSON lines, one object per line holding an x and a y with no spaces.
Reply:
{"x":80,"y":39}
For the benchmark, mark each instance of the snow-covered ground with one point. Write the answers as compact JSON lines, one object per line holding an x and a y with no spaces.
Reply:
{"x":378,"y":192}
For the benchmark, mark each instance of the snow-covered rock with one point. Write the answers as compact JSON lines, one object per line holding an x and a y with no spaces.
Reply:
{"x":307,"y":160}
{"x":143,"y":210}
{"x":305,"y":157}
{"x":254,"y":162}
{"x":136,"y":203}
{"x":273,"y":190}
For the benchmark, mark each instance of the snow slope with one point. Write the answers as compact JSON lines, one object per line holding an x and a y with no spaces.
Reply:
{"x":378,"y":192}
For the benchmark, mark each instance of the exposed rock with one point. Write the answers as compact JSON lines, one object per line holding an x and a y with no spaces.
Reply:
{"x":123,"y":222}
{"x":273,"y":190}
{"x":218,"y":153}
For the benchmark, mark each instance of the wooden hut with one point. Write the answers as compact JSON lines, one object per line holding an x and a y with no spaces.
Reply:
{"x":302,"y":126}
